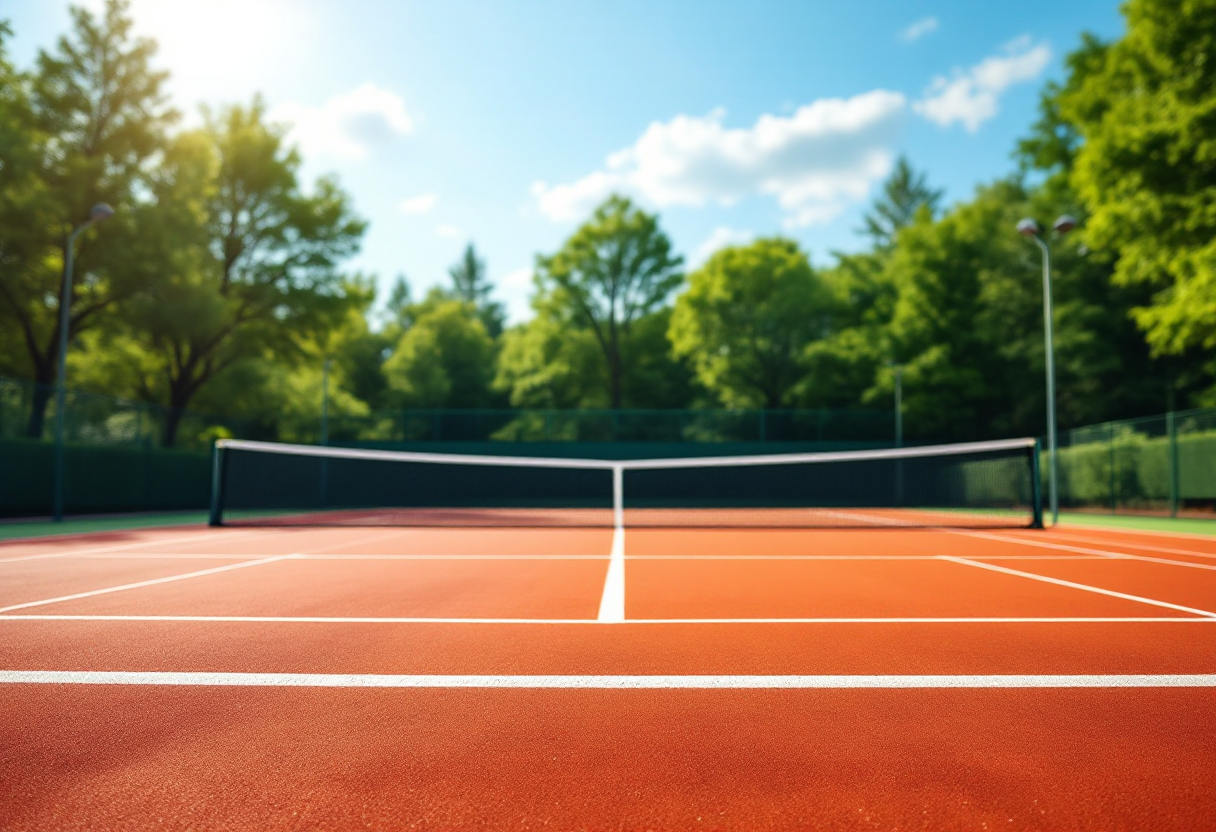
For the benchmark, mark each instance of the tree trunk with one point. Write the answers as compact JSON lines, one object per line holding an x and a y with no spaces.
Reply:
{"x":173,"y":419}
{"x":614,"y":376}
{"x":44,"y":389}
{"x":41,"y":398}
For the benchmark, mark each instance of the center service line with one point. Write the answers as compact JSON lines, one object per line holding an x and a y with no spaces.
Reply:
{"x":353,"y":680}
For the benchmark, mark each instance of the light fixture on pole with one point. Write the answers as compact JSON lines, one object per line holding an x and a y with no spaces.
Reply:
{"x":98,"y":213}
{"x":1030,"y":228}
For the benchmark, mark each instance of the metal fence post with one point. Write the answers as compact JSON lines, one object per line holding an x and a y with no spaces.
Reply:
{"x":1114,"y":494}
{"x":1171,"y":425}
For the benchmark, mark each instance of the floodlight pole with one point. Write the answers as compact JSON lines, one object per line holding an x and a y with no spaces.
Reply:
{"x":1052,"y":449}
{"x":99,"y":213}
{"x":1030,"y":228}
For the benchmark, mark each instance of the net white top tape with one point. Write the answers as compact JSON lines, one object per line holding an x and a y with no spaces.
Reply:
{"x":626,"y":464}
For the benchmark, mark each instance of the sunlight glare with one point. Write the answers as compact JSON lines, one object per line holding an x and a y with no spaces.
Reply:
{"x":224,"y":49}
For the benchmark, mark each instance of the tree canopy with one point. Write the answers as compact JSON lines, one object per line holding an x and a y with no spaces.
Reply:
{"x":223,"y":283}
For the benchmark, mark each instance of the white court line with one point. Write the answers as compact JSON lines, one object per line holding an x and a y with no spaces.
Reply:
{"x":1163,"y":549}
{"x":164,"y":556}
{"x":120,"y":546}
{"x":376,"y":539}
{"x":455,"y":557}
{"x":1151,"y":532}
{"x":993,"y":567}
{"x":612,"y":602}
{"x":120,"y":556}
{"x":855,"y":557}
{"x":286,"y":619}
{"x":140,"y":584}
{"x":1042,"y":544}
{"x":367,"y":680}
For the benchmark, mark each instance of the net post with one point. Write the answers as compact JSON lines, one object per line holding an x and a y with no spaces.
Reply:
{"x":216,"y":517}
{"x":1036,"y":487}
{"x":618,"y":496}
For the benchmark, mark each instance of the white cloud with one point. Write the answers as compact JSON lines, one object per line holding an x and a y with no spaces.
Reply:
{"x":421,"y":204}
{"x":971,"y":95}
{"x":349,"y":125}
{"x":919,"y":29}
{"x":825,"y":154}
{"x":721,"y":237}
{"x":447,"y":231}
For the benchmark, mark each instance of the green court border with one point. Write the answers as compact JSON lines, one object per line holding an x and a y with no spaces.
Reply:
{"x":21,"y":529}
{"x":1183,"y":525}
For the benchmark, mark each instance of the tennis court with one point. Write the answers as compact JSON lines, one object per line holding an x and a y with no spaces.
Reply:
{"x":569,"y":656}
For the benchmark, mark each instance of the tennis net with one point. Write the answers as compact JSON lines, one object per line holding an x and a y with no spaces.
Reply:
{"x":979,"y":484}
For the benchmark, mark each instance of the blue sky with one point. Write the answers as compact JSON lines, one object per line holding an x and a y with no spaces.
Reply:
{"x":504,"y":122}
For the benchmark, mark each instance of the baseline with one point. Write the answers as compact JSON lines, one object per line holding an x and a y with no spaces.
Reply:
{"x":353,"y":680}
{"x":316,"y":619}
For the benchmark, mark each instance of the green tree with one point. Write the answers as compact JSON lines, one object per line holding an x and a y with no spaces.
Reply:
{"x":547,"y":364}
{"x":746,"y":318}
{"x":24,"y":210}
{"x":903,"y":194}
{"x":613,"y":270}
{"x":968,"y":329}
{"x":470,"y":285}
{"x":1143,"y":107}
{"x":95,"y":112}
{"x":445,"y":359}
{"x":841,"y":367}
{"x":247,"y":262}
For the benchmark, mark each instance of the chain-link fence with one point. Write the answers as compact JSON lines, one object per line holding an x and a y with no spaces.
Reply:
{"x":626,"y":425}
{"x":27,"y":411}
{"x":1159,"y":464}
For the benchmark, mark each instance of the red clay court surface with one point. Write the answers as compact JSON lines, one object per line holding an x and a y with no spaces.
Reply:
{"x":379,"y":678}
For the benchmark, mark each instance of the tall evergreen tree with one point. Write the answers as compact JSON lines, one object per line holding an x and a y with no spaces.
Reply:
{"x":470,"y":285}
{"x":903,"y":194}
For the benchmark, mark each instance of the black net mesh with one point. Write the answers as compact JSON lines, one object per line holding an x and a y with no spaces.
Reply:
{"x":263,"y":484}
{"x":261,"y":488}
{"x":967,"y":488}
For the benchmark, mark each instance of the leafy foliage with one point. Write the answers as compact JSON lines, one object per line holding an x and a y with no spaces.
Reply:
{"x":613,"y":270}
{"x":746,"y":318}
{"x":220,"y":283}
{"x":446,"y":359}
{"x":1145,"y":111}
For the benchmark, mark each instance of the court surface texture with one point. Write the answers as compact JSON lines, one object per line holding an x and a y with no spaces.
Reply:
{"x":396,"y":678}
